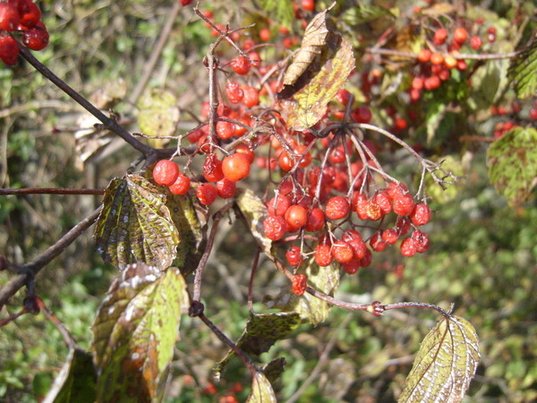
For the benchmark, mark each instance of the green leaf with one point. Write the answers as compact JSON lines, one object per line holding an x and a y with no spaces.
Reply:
{"x":158,"y":114}
{"x":362,"y":13}
{"x":523,"y":71}
{"x":135,"y":331}
{"x":262,"y":391}
{"x":261,"y":332}
{"x":76,"y":380}
{"x":135,"y":225}
{"x":305,"y":102}
{"x":253,"y":210}
{"x":512,"y":164}
{"x":445,"y":363}
{"x":191,"y":239}
{"x":279,"y":10}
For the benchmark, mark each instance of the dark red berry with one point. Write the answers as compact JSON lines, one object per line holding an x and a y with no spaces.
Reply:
{"x":206,"y":194}
{"x":278,"y":205}
{"x":315,"y":220}
{"x":377,"y":243}
{"x":293,"y":256}
{"x":390,"y":236}
{"x":9,"y":17}
{"x":299,"y":284}
{"x":421,"y":239}
{"x":421,"y":214}
{"x":36,"y":38}
{"x":212,"y":168}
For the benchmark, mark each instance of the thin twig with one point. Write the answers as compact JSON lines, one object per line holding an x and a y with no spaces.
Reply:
{"x":55,"y":191}
{"x":29,"y":270}
{"x":458,"y":56}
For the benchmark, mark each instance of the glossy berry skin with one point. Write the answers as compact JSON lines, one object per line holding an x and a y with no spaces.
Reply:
{"x":337,"y":207}
{"x":36,"y":38}
{"x":243,"y":149}
{"x":323,"y":255}
{"x":225,"y":130}
{"x":29,"y":12}
{"x":236,"y":167}
{"x":293,"y":256}
{"x":299,"y":284}
{"x":165,"y":172}
{"x":421,"y":214}
{"x":212,"y":168}
{"x":408,"y":247}
{"x":296,"y":217}
{"x":342,"y":252}
{"x":206,"y":194}
{"x":9,"y":50}
{"x":274,"y":227}
{"x":240,"y":65}
{"x":9,"y":17}
{"x":181,"y":186}
{"x":234,"y":92}
{"x":226,"y":188}
{"x":308,"y":5}
{"x":460,"y":35}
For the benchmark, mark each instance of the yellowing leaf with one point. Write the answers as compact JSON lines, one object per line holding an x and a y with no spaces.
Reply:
{"x":158,"y":114}
{"x":445,"y":363}
{"x":254,"y":211}
{"x":135,"y":331}
{"x":308,"y":104}
{"x":512,"y":164}
{"x":262,"y":391}
{"x":135,"y":225}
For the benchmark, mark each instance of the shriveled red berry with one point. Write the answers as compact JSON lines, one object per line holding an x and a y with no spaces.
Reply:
{"x":234,"y":92}
{"x":9,"y":50}
{"x":250,"y":97}
{"x":337,"y":207}
{"x":315,"y":220}
{"x":402,"y":225}
{"x":206,"y":194}
{"x":226,"y":188}
{"x":421,"y":214}
{"x":395,"y":190}
{"x":299,"y":284}
{"x":293,"y":256}
{"x":36,"y":38}
{"x":361,"y":203}
{"x":165,"y":172}
{"x":377,"y":243}
{"x":382,"y":198}
{"x":373,"y":211}
{"x":421,"y":239}
{"x":274,"y":227}
{"x":240,"y":65}
{"x":403,"y":205}
{"x":296,"y":217}
{"x":181,"y":185}
{"x":323,"y":255}
{"x":9,"y":17}
{"x":342,"y":252}
{"x":212,"y":168}
{"x":408,"y":247}
{"x":351,"y":234}
{"x":367,"y":259}
{"x":236,"y":167}
{"x":390,"y":236}
{"x":278,"y":205}
{"x":29,"y":12}
{"x":351,"y":267}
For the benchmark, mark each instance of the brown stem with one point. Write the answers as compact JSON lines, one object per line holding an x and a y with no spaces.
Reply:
{"x":56,"y":191}
{"x":29,"y":270}
{"x":467,"y":56}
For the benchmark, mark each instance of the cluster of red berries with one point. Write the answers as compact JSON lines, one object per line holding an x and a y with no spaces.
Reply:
{"x":24,"y":17}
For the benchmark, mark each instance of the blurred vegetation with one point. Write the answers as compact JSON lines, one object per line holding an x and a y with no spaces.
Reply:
{"x":483,"y":256}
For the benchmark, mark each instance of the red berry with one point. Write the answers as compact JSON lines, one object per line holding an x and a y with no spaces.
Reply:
{"x":234,"y":92}
{"x":293,"y":256}
{"x":251,"y":97}
{"x":377,"y":243}
{"x":460,"y":35}
{"x":403,"y":205}
{"x":437,"y":58}
{"x":29,"y":12}
{"x":185,"y":2}
{"x":264,"y":34}
{"x":308,"y":5}
{"x":9,"y":50}
{"x":296,"y":217}
{"x":382,"y":198}
{"x":278,"y":205}
{"x":421,"y":214}
{"x":165,"y":172}
{"x":476,"y":42}
{"x":342,"y":252}
{"x":9,"y":17}
{"x":343,"y":96}
{"x":361,"y":203}
{"x":396,"y":190}
{"x":226,"y":188}
{"x":337,"y":208}
{"x":36,"y":38}
{"x":236,"y":167}
{"x":408,"y":247}
{"x":390,"y":236}
{"x":424,"y":56}
{"x":373,"y":211}
{"x":421,"y":239}
{"x":359,"y":248}
{"x":323,"y":255}
{"x":274,"y":227}
{"x":315,"y":220}
{"x":352,"y":266}
{"x":362,"y":114}
{"x":240,"y":65}
{"x":400,"y":123}
{"x":402,"y":225}
{"x":225,"y":130}
{"x":432,"y":83}
{"x":244,"y":149}
{"x":181,"y":185}
{"x":440,"y":36}
{"x":299,"y":284}
{"x":366,"y":260}
{"x":212,"y":168}
{"x":206,"y":194}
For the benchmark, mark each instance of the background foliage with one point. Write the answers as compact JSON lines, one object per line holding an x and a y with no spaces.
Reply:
{"x":483,"y":256}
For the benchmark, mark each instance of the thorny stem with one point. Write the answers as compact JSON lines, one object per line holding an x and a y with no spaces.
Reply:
{"x":109,"y":123}
{"x":57,"y":191}
{"x":29,"y":270}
